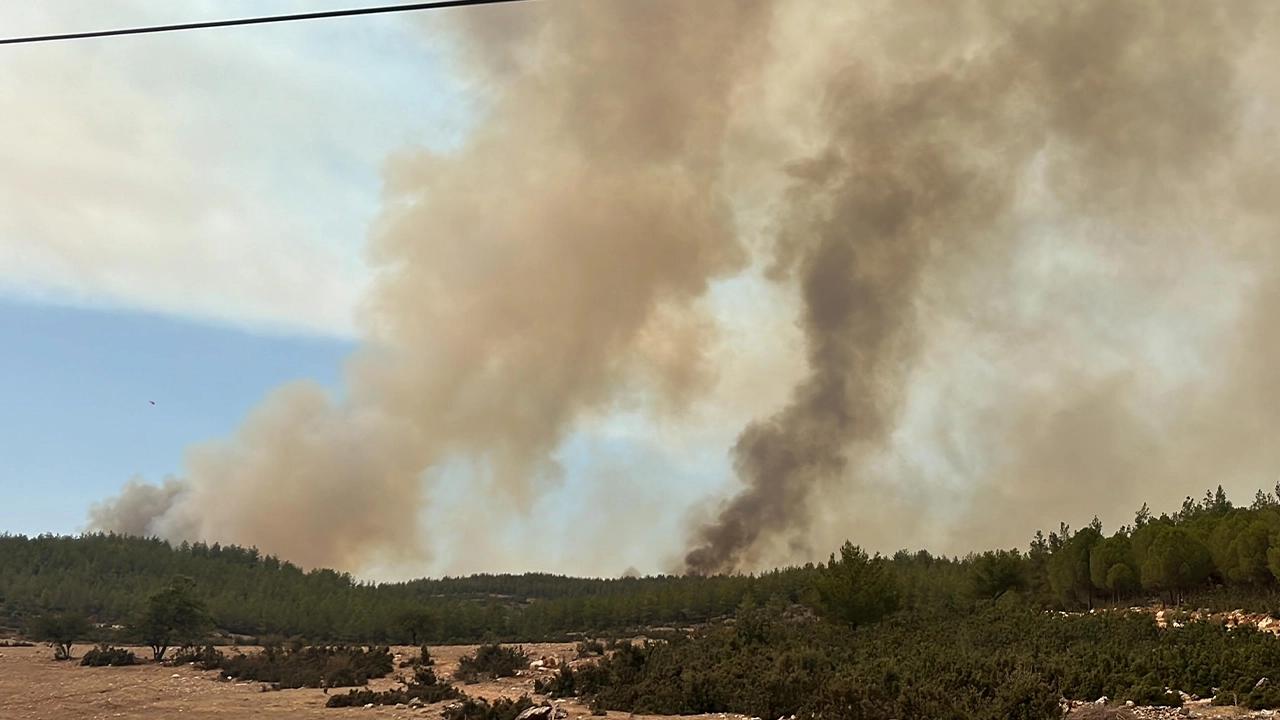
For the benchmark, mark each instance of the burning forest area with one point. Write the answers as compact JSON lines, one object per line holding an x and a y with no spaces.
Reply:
{"x":541,"y":359}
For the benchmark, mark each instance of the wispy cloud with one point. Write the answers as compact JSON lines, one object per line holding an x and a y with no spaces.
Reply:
{"x":228,"y":175}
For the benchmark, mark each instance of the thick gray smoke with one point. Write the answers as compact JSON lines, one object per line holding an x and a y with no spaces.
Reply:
{"x":538,"y":272}
{"x":1121,"y":115}
{"x":1033,"y":246}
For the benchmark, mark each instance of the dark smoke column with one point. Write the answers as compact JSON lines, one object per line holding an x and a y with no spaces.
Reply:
{"x":1113,"y":110}
{"x":858,"y":243}
{"x":900,"y":179}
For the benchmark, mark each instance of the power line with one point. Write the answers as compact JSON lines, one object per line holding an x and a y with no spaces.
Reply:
{"x":325,"y":14}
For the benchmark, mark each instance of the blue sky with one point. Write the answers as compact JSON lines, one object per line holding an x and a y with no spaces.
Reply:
{"x":78,"y":384}
{"x":184,"y":222}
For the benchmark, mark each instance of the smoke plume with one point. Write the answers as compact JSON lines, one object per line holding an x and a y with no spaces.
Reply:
{"x":936,"y":176}
{"x":1032,"y":248}
{"x":536,"y":273}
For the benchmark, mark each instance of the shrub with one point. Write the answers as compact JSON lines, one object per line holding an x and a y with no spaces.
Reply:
{"x":991,"y":664}
{"x":590,"y":648}
{"x":422,"y":658}
{"x":207,"y":657}
{"x":424,"y":688}
{"x":313,"y":667}
{"x":491,"y":661}
{"x":500,"y":709}
{"x":559,"y":685}
{"x":106,"y":655}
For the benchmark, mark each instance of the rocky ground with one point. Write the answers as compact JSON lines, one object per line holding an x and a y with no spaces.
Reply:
{"x":1102,"y":710}
{"x":1167,"y":617}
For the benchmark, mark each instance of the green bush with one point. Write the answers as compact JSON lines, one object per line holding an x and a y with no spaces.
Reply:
{"x":476,"y":709}
{"x":206,"y":657}
{"x":590,"y":648}
{"x":425,"y":688}
{"x":313,"y":667}
{"x":992,"y":664}
{"x":491,"y":661}
{"x":106,"y":655}
{"x":422,"y":658}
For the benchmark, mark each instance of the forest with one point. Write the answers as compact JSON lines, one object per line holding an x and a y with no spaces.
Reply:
{"x":108,"y":578}
{"x":1209,"y":552}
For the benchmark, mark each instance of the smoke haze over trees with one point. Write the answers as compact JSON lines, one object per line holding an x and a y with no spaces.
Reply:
{"x":1031,"y":250}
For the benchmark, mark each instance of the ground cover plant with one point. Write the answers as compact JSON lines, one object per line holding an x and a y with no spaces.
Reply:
{"x":1002,"y":661}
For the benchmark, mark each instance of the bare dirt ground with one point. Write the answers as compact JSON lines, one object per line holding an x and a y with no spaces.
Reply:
{"x":33,"y":686}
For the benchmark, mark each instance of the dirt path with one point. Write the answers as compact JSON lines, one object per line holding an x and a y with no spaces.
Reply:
{"x":35,"y":687}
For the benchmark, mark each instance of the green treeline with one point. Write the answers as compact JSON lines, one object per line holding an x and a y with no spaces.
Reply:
{"x":1210,"y":551}
{"x":1208,"y":543}
{"x":109,"y":578}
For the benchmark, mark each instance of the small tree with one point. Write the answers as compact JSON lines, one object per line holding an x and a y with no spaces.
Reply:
{"x":996,"y":572}
{"x":173,"y":617}
{"x":418,"y":624}
{"x":856,"y":589}
{"x":1174,"y":562}
{"x":1111,"y":566}
{"x":1069,"y":565}
{"x":61,"y":630}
